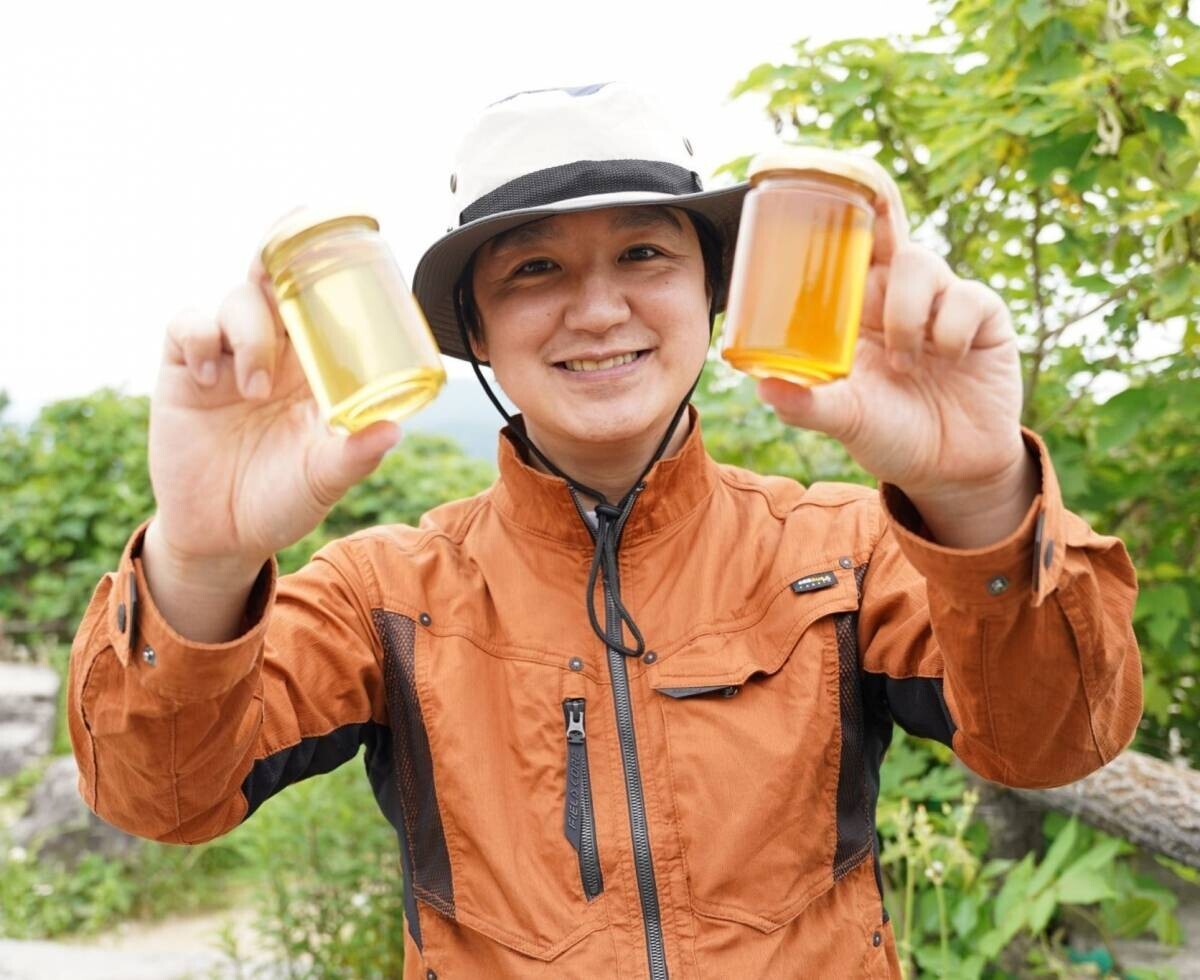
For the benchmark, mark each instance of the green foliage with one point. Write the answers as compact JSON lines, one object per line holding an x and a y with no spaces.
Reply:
{"x":959,"y":915}
{"x":76,"y":484}
{"x":330,"y":902}
{"x":41,"y":899}
{"x":1051,"y":150}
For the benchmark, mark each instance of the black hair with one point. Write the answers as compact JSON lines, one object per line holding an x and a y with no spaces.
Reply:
{"x":712,"y":250}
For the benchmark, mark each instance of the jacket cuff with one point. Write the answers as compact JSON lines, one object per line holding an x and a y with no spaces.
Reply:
{"x":1025,"y":564}
{"x":167,"y":664}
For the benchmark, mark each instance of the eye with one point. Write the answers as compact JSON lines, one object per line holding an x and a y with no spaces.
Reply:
{"x":520,"y":271}
{"x":643,"y":248}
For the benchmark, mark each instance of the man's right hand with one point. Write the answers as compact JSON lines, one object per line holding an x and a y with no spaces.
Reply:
{"x":241,"y":463}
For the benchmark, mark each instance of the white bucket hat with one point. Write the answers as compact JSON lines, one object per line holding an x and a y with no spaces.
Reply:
{"x":564,"y":149}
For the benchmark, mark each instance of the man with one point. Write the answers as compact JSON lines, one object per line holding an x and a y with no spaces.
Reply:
{"x":626,"y":708}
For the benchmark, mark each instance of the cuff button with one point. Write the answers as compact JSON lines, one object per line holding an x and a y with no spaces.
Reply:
{"x":997,"y":585}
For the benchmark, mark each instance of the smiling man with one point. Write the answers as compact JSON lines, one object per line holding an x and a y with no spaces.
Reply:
{"x":626,"y":708}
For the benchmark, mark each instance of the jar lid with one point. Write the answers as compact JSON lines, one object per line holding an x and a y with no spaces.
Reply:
{"x":840,"y":163}
{"x":302,"y":225}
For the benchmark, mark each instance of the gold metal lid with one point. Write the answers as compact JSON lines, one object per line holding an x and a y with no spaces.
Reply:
{"x":302,"y":225}
{"x":840,"y":163}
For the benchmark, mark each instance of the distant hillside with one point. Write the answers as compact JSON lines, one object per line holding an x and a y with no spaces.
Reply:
{"x":463,"y":412}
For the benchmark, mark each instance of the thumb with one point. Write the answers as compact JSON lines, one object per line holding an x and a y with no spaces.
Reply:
{"x":828,"y":408}
{"x":340,"y":461}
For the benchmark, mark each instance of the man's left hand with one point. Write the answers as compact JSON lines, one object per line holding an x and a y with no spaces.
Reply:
{"x":933,"y":402}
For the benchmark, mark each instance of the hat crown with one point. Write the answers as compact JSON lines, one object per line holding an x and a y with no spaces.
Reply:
{"x":540,"y":129}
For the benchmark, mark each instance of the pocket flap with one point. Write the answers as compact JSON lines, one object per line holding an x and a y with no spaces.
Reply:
{"x":716,"y":663}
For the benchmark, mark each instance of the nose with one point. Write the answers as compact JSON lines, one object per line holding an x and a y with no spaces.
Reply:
{"x":596,"y":304}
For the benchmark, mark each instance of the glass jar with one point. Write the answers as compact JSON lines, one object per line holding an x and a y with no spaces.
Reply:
{"x":800,"y":265}
{"x":362,"y":340}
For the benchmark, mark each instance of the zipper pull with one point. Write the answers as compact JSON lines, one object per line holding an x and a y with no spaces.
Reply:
{"x":573,"y":710}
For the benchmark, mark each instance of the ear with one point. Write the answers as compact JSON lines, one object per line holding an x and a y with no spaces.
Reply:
{"x":478,"y":347}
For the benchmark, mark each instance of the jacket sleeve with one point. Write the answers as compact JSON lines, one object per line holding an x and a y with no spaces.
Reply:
{"x":179,"y":741}
{"x":1019,"y":655}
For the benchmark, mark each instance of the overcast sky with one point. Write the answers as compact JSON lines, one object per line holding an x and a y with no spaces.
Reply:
{"x":145,"y":148}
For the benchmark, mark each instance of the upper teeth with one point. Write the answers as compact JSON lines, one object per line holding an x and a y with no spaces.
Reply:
{"x":601,"y":365}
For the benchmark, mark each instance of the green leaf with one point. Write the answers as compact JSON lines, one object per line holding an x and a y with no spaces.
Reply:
{"x":1041,"y":909}
{"x":1055,"y":858}
{"x":1060,"y":152}
{"x":1013,"y":893}
{"x":1083,"y":886}
{"x":1166,"y":126}
{"x":1132,"y":916}
{"x":1033,"y":12}
{"x":965,"y":916}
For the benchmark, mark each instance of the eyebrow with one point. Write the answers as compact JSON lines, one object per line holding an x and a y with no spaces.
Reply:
{"x":647,"y":216}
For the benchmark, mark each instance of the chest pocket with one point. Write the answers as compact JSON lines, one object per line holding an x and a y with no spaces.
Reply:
{"x":753,"y":723}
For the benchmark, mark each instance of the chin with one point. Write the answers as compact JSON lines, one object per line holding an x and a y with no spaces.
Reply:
{"x":605,"y":424}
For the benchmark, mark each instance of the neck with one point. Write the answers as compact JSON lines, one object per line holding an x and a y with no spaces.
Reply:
{"x":611,"y":467}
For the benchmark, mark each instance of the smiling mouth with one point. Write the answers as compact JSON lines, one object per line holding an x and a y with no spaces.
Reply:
{"x":583,"y":366}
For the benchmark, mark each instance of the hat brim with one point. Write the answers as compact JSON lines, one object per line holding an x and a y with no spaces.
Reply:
{"x":444,"y":261}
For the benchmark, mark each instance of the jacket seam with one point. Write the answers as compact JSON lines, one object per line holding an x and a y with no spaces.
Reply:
{"x":83,"y":684}
{"x":1077,"y":624}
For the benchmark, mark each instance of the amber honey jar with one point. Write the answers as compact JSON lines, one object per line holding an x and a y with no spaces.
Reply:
{"x":800,"y":265}
{"x":360,"y":336}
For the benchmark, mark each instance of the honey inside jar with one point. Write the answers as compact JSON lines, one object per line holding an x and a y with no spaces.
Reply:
{"x":799,"y":273}
{"x":359,"y":334}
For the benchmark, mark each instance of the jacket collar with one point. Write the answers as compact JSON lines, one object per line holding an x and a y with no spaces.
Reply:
{"x":538,"y":502}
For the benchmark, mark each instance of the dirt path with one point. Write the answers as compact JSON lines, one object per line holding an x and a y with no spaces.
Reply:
{"x":175,"y":949}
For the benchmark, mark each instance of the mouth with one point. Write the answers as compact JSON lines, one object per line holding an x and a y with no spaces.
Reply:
{"x":604,"y":367}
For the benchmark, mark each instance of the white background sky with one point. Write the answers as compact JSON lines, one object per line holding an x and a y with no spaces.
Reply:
{"x":145,"y":148}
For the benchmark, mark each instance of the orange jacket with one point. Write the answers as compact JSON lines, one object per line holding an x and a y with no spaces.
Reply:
{"x":562,"y":811}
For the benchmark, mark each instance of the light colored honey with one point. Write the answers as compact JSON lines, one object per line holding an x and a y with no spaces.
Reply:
{"x":361,"y":338}
{"x":799,"y":275}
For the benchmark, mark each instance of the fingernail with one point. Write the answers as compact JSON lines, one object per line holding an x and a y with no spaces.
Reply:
{"x":259,"y":385}
{"x":208,"y":373}
{"x":902,"y":361}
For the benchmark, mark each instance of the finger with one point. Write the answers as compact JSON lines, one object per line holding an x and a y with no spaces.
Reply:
{"x":340,"y":461}
{"x":891,"y":218}
{"x":959,"y":316}
{"x":916,"y":279}
{"x":194,"y":339}
{"x":829,"y":408}
{"x":250,"y":334}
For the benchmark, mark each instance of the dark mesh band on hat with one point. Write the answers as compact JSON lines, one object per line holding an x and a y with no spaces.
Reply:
{"x":580,"y":179}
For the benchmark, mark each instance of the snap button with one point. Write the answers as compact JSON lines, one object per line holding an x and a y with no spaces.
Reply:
{"x":876,"y":939}
{"x":149,"y":655}
{"x":430,"y":975}
{"x":575,"y":663}
{"x":426,"y":619}
{"x":845,"y":562}
{"x":121,"y":617}
{"x":998,"y":585}
{"x":650,"y":657}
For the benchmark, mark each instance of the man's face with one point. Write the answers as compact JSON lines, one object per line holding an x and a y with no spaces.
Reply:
{"x":560,"y":297}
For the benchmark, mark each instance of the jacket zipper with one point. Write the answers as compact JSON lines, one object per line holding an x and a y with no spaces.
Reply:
{"x":643,"y":863}
{"x":579,"y":818}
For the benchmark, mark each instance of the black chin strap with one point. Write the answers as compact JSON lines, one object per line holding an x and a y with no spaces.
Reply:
{"x":610,"y":518}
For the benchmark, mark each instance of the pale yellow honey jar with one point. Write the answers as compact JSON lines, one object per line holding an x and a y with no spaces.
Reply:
{"x":361,"y":338}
